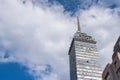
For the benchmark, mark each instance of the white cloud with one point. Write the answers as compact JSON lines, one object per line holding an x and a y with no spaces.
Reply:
{"x":36,"y":36}
{"x":106,"y":53}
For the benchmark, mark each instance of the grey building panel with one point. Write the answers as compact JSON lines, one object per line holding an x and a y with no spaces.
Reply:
{"x":72,"y":58}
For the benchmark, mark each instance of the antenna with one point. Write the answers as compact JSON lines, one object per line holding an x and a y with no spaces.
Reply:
{"x":78,"y":23}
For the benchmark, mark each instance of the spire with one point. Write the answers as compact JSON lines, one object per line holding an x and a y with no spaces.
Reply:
{"x":78,"y":23}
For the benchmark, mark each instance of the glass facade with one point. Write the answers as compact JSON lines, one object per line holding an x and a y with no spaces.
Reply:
{"x":87,"y":61}
{"x":86,"y":58}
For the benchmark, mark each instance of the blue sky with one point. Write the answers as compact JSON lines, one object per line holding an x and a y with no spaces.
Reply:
{"x":14,"y":71}
{"x":35,"y":35}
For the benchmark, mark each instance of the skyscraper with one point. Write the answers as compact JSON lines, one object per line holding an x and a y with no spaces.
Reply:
{"x":84,"y":58}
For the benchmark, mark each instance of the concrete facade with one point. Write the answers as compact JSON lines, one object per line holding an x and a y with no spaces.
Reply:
{"x":112,"y":71}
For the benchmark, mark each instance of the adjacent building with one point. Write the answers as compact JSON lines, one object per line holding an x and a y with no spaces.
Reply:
{"x":112,"y":71}
{"x":84,"y":57}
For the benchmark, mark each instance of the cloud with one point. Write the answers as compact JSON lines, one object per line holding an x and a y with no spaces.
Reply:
{"x":107,"y":51}
{"x":39,"y":36}
{"x":36,"y":37}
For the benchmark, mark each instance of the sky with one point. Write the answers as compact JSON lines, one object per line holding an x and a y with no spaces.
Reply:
{"x":35,"y":35}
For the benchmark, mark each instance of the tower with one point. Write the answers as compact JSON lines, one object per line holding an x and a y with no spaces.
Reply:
{"x":83,"y":57}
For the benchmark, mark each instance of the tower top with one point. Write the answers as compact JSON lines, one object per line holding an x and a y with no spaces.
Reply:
{"x":78,"y":23}
{"x":80,"y":36}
